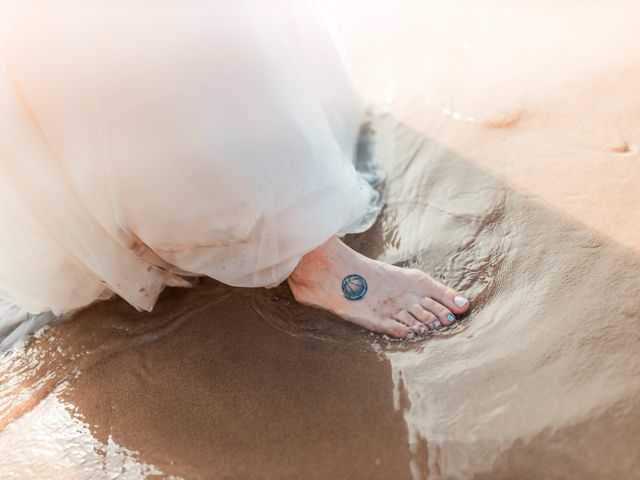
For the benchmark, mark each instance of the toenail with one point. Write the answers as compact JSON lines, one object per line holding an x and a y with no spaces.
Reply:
{"x":410,"y":336}
{"x":423,"y":330}
{"x":460,"y":301}
{"x":451,"y":318}
{"x":437,"y":324}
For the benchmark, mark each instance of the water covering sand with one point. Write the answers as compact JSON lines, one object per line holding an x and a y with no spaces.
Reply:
{"x":511,"y":142}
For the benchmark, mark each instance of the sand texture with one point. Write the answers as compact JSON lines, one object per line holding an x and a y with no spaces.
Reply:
{"x":510,"y":137}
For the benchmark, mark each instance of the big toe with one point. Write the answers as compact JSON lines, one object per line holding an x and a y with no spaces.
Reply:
{"x":449,"y":298}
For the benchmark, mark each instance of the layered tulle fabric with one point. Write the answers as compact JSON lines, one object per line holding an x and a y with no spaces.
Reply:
{"x":144,"y":142}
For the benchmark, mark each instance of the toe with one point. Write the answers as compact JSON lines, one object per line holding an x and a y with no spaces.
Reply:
{"x":423,"y":316}
{"x":407,"y":319}
{"x":395,"y":329}
{"x":444,"y":316}
{"x":448,"y":297}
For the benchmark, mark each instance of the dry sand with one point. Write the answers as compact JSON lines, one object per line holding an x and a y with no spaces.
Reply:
{"x":512,"y":147}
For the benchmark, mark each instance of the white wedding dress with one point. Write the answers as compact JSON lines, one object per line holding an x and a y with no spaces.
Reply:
{"x":145,"y":142}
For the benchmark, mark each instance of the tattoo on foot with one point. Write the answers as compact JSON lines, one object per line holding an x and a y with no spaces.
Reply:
{"x":354,"y":287}
{"x":402,"y":302}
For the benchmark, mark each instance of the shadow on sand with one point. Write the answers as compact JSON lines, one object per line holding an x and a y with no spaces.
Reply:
{"x":539,"y":380}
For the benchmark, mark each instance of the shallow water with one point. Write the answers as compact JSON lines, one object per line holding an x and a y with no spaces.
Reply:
{"x":511,"y":144}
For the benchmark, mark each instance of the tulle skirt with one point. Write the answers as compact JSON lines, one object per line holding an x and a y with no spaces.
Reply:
{"x":142,"y":143}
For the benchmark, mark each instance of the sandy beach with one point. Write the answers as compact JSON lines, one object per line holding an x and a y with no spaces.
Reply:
{"x":510,"y":138}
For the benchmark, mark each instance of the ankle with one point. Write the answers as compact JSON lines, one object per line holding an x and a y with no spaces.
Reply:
{"x":318,"y":263}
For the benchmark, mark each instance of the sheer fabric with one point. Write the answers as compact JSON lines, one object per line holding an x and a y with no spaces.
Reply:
{"x":145,"y":142}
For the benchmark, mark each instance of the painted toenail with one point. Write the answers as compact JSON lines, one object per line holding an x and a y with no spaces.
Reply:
{"x":437,"y":324}
{"x":460,"y":301}
{"x":410,"y":336}
{"x":423,"y":330}
{"x":451,"y":318}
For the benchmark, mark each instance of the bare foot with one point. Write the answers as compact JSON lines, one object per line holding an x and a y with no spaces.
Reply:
{"x":401,"y":302}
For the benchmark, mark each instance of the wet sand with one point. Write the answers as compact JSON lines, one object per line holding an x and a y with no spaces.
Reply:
{"x":511,"y":144}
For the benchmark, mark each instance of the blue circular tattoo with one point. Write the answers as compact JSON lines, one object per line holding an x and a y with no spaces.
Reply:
{"x":354,"y":287}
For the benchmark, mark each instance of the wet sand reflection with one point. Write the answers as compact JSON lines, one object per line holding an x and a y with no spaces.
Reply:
{"x":540,"y":380}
